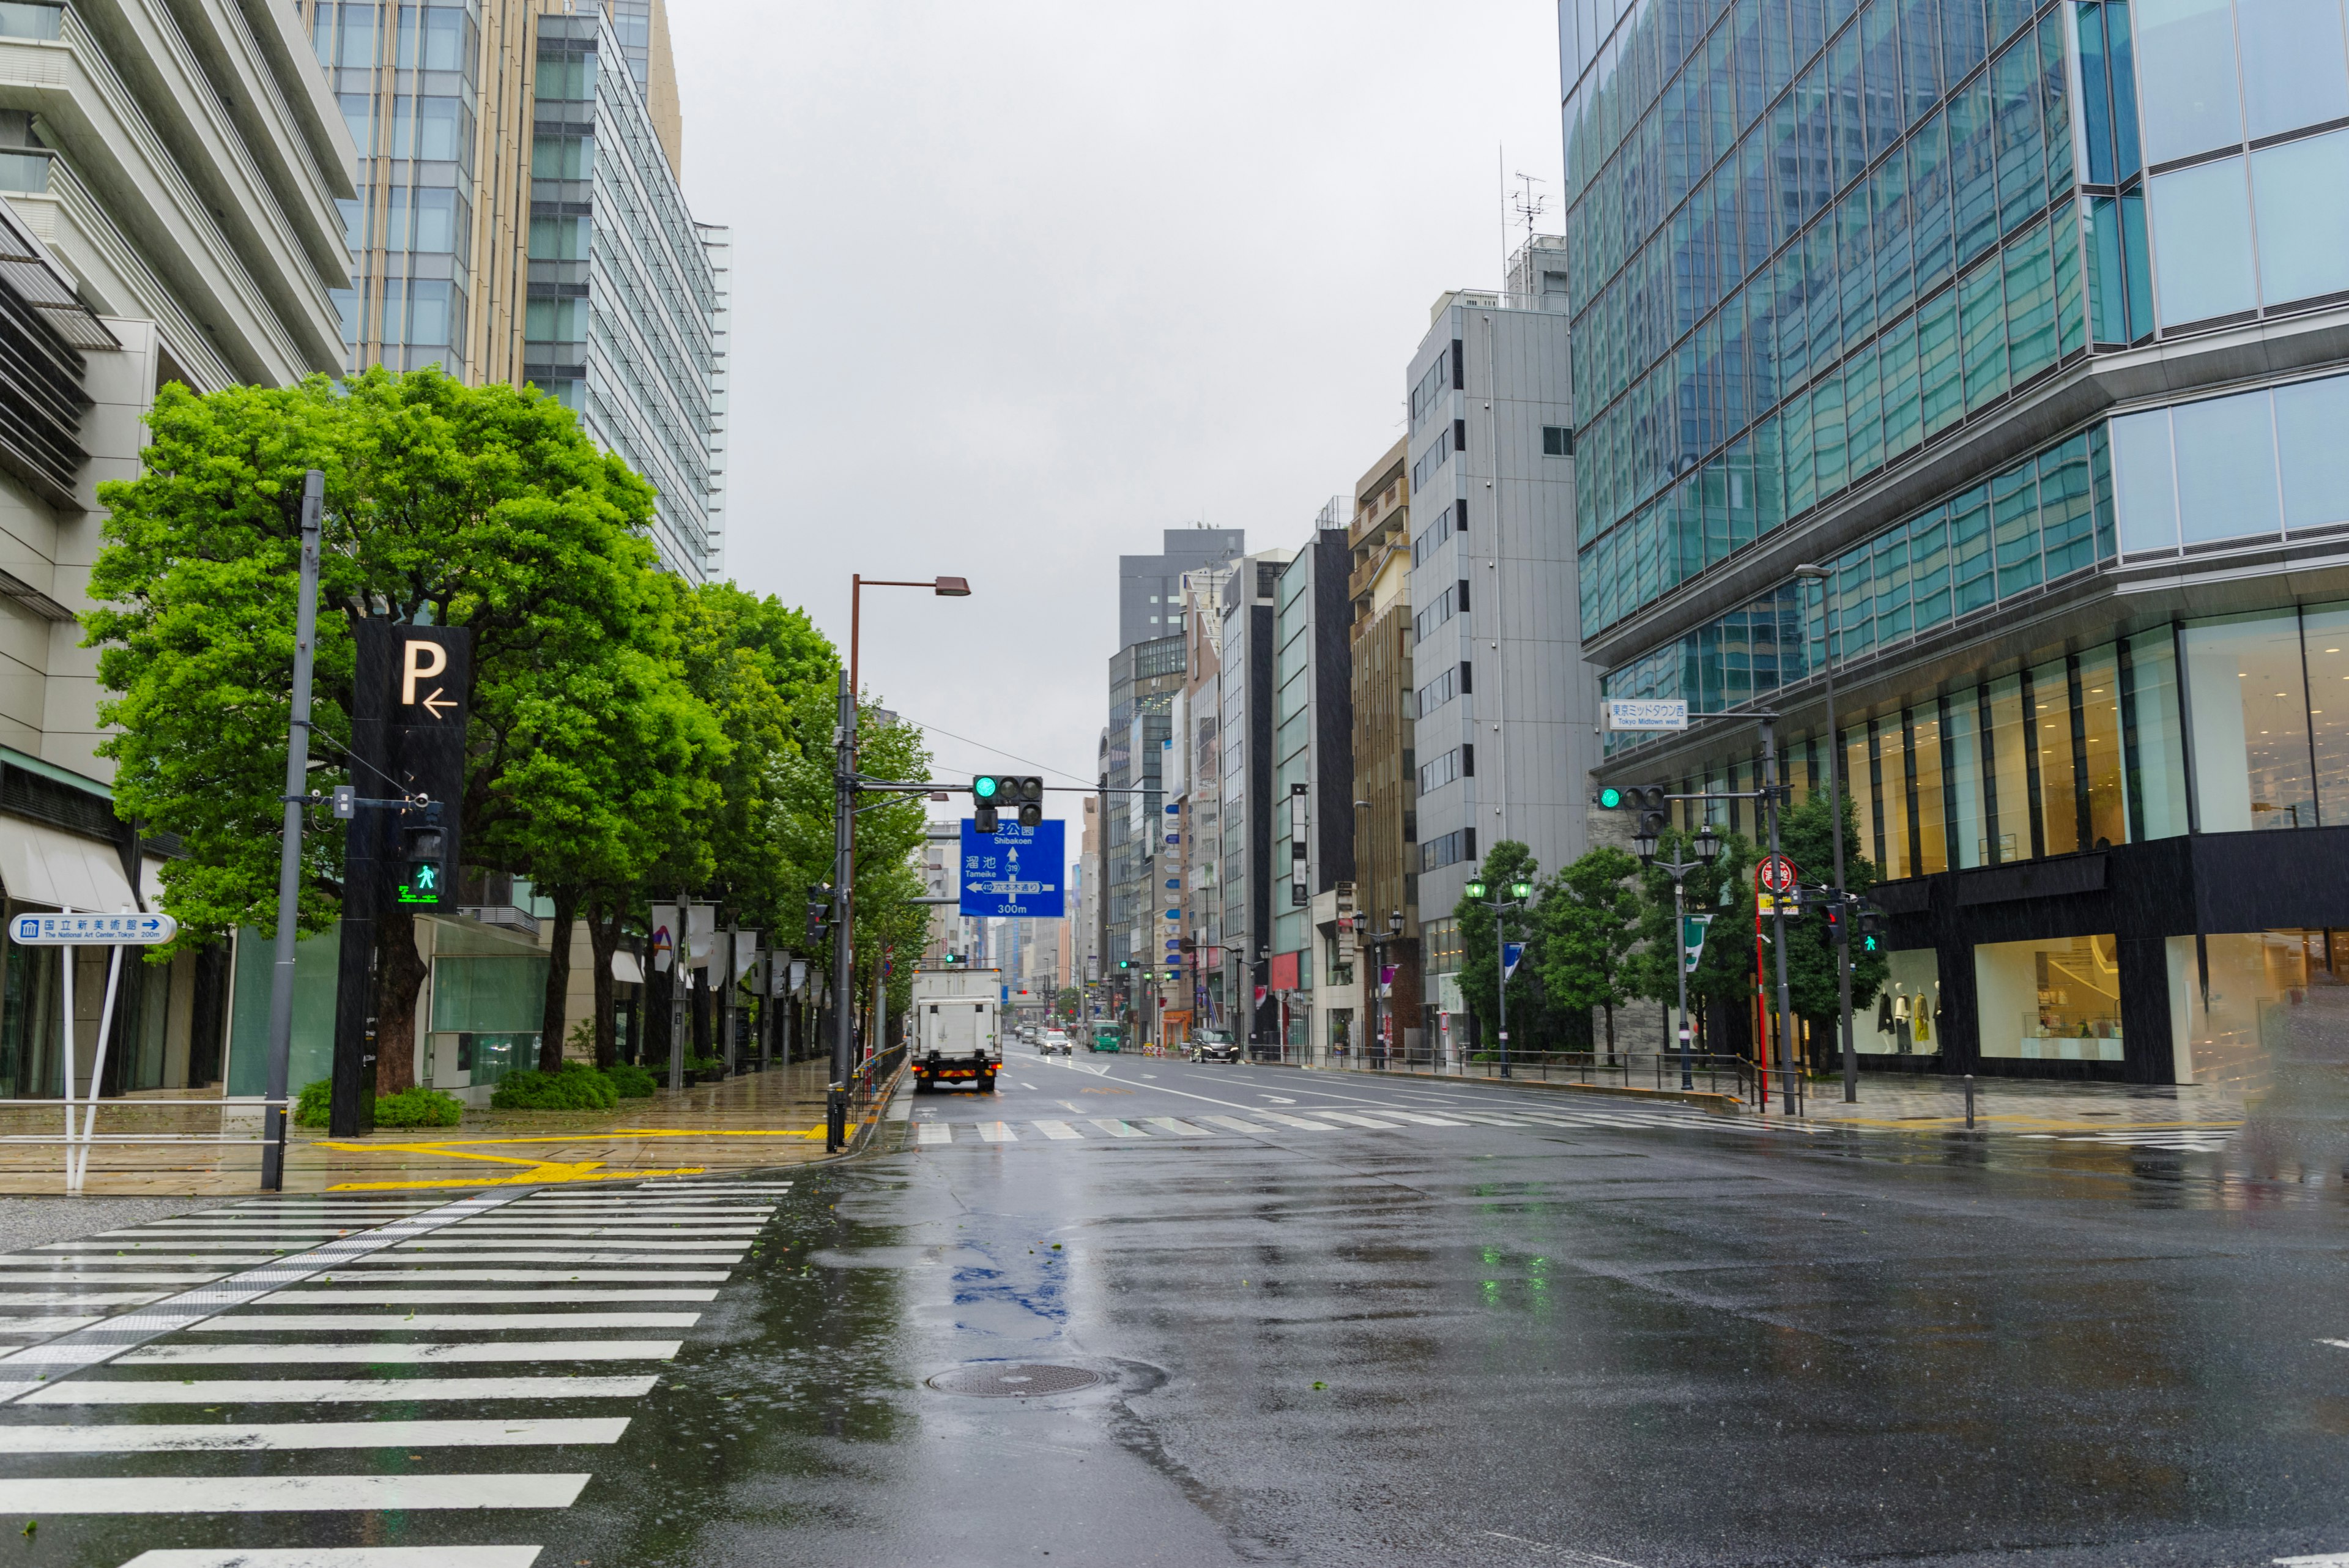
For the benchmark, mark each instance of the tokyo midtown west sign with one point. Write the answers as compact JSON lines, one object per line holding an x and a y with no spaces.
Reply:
{"x":1636,"y":715}
{"x":1014,"y":870}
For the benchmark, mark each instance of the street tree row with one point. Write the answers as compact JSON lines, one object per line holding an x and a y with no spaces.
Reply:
{"x":632,"y":736}
{"x":1599,"y":935}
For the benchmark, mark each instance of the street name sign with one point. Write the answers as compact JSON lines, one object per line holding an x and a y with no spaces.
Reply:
{"x":91,"y":930}
{"x":1647,"y":713}
{"x":1015,"y":871}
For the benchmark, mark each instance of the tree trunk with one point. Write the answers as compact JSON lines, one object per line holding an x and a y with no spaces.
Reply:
{"x":558,"y":980}
{"x":702,"y":998}
{"x":1610,"y":1010}
{"x":602,"y":942}
{"x":400,"y":973}
{"x":654,"y":1049}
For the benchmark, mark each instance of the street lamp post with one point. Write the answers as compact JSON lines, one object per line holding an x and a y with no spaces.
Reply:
{"x":1708,"y":850}
{"x":1378,"y":979}
{"x":844,"y":781}
{"x":1521,"y":895}
{"x":1834,"y":810}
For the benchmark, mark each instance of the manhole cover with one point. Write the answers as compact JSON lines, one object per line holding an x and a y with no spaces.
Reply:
{"x":997,"y":1380}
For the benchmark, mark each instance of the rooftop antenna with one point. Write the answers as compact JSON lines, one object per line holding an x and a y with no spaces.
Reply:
{"x":1529,"y":201}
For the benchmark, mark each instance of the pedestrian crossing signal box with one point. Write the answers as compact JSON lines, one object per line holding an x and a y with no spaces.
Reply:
{"x":424,"y":867}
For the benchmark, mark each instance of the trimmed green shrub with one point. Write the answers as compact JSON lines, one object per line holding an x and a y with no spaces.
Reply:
{"x":633,"y":1082}
{"x":577,"y":1088}
{"x":417,"y":1106}
{"x":411,"y":1107}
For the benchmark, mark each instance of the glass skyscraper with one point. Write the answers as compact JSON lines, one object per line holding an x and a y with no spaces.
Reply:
{"x":2027,"y":324}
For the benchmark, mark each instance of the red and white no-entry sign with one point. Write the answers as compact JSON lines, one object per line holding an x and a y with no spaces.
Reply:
{"x":1775,"y":874}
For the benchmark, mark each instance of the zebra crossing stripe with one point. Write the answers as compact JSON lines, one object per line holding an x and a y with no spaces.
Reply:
{"x":1238,"y":1125}
{"x":78,"y":1298}
{"x":1299,"y":1123}
{"x":283,"y":1494}
{"x":182,"y":1279}
{"x":1118,"y":1129}
{"x":933,"y":1132}
{"x":1352,"y":1120}
{"x":557,"y":1256}
{"x":398,"y":1355}
{"x":45,"y":1325}
{"x":524,"y":1276}
{"x":340,"y":1557}
{"x":997,"y":1132}
{"x":339,"y":1295}
{"x":338,"y":1323}
{"x":331,"y":1390}
{"x":1421,"y":1118}
{"x":1057,"y":1129}
{"x":255,"y":1436}
{"x":100,"y":1343}
{"x":1179,"y":1128}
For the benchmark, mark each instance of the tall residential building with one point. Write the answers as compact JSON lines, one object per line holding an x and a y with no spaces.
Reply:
{"x":1204,"y":985}
{"x":1144,"y":676}
{"x":1087,"y":973}
{"x":1245,"y":814}
{"x":2026,"y":324}
{"x":171,"y":174}
{"x":518,"y":217}
{"x":1386,"y":774}
{"x":1313,"y":784}
{"x":1506,"y":708}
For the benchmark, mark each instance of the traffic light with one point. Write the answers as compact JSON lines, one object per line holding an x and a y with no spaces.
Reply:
{"x":819,"y":903}
{"x":1838,"y":930}
{"x":423,"y":852}
{"x":1125,"y":963}
{"x":1873,"y":924}
{"x":1018,"y":792}
{"x":1648,"y":800}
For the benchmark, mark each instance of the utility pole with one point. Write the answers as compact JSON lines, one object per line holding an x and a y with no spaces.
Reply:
{"x":1791,"y":1089}
{"x":1835,"y":811}
{"x":844,"y":983}
{"x":680,"y":971}
{"x":289,"y":854}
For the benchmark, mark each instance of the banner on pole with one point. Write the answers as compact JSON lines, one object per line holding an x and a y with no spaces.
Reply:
{"x":1692,"y":930}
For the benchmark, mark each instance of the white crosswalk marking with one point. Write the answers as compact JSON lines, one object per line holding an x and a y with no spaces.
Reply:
{"x":1179,"y":1128}
{"x":398,"y":1355}
{"x":997,"y":1132}
{"x":1421,"y":1118}
{"x":337,"y":1322}
{"x":338,"y":1295}
{"x":523,"y":1276}
{"x":333,"y":1390}
{"x":933,"y":1132}
{"x":1056,"y":1129}
{"x":341,"y":1557}
{"x":78,"y":1298}
{"x":1234,"y":1123}
{"x":1351,"y":1120}
{"x":283,"y":1494}
{"x":253,"y":1437}
{"x":1118,"y":1128}
{"x":1299,"y":1123}
{"x":45,"y":1325}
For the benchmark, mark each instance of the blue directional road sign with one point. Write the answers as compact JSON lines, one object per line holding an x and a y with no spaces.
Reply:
{"x":1015,"y":870}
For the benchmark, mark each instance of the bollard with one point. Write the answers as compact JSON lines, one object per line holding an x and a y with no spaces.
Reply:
{"x":1969,"y":1102}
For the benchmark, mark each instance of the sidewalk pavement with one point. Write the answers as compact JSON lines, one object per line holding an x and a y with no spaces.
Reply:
{"x":2027,"y":1106}
{"x":759,"y":1119}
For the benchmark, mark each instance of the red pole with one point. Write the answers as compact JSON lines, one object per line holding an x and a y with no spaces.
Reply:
{"x":1761,"y":1024}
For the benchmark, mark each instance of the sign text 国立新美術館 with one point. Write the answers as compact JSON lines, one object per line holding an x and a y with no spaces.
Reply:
{"x":91,"y":930}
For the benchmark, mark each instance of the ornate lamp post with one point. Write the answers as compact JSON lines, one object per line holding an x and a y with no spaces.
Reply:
{"x":1520,"y":895}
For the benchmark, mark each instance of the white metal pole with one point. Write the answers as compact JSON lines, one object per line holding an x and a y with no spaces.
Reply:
{"x":97,"y":1069}
{"x":66,"y":1000}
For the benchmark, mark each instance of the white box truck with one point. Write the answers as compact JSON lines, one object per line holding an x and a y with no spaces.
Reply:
{"x":957,"y":1042}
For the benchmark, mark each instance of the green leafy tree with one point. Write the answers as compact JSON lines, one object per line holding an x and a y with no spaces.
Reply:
{"x":1068,"y":1002}
{"x":1589,"y":919}
{"x":1531,"y":1024}
{"x":484,"y":507}
{"x":1806,"y":835}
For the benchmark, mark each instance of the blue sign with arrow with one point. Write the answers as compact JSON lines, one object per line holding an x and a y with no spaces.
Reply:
{"x":1015,"y":871}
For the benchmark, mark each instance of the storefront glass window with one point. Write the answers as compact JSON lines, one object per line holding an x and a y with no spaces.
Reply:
{"x":1932,"y":832}
{"x":1892,"y":798}
{"x":1859,"y":779}
{"x":1907,"y":1018}
{"x":2262,"y":999}
{"x":2100,"y":721}
{"x":2153,"y":739}
{"x":1972,"y":845}
{"x":2050,"y":710}
{"x":2009,"y":813}
{"x":2049,"y":1000}
{"x":2249,"y":712}
{"x":2325,"y":632}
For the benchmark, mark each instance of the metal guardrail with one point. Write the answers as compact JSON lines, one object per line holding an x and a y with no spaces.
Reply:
{"x":1717,"y":1074}
{"x":78,"y":1141}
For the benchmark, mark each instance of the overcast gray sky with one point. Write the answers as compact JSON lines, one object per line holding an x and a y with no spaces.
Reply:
{"x":1017,"y":286}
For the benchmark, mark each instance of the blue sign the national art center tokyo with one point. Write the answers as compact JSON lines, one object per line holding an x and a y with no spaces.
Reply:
{"x":1015,"y":871}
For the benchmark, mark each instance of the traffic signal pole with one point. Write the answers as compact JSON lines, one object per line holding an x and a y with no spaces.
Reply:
{"x":1792,"y":1098}
{"x":289,"y":853}
{"x":844,"y":983}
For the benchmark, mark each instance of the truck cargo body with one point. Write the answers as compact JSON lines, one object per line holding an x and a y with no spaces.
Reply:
{"x":956,"y":1034}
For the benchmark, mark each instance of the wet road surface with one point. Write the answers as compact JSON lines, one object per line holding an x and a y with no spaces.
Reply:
{"x":1318,"y":1318}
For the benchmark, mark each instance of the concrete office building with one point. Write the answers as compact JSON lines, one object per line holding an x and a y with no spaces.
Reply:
{"x":1312,"y":826}
{"x":1199,"y":970}
{"x":1145,"y":675}
{"x":1386,"y":774}
{"x":1506,"y":708}
{"x":517,"y":217}
{"x":171,"y":174}
{"x":1245,"y":741}
{"x":2026,"y":324}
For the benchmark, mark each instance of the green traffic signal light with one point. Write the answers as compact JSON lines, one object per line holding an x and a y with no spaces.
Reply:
{"x":983,"y":786}
{"x":1610,"y":797}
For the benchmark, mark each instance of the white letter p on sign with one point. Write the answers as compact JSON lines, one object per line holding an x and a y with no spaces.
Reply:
{"x":419,"y":662}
